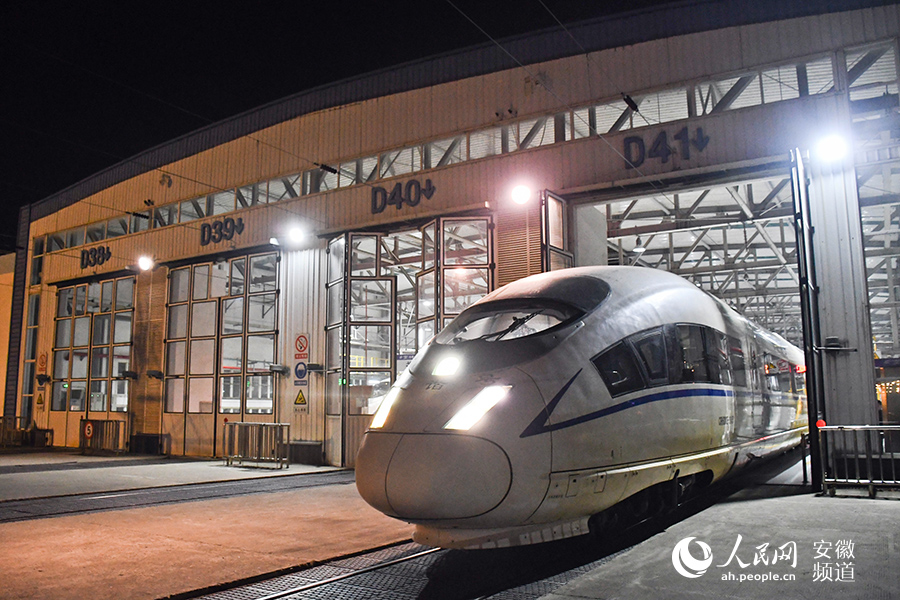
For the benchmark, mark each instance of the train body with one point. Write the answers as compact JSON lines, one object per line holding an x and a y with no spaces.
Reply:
{"x":563,"y":394}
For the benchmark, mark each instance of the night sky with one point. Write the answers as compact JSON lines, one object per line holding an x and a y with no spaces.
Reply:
{"x":88,"y":84}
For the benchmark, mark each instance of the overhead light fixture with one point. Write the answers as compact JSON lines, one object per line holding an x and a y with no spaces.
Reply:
{"x":274,"y":241}
{"x":831,"y":148}
{"x":145,"y":263}
{"x":638,"y":246}
{"x":297,"y":235}
{"x":521,"y":194}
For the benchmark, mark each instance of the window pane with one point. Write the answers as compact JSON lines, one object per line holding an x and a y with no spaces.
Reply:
{"x":200,"y":395}
{"x":230,"y":395}
{"x":106,"y":297}
{"x":117,"y":227}
{"x":425,"y":331}
{"x":465,"y":242}
{"x":192,"y":210}
{"x":260,"y":352}
{"x":370,"y":346}
{"x":260,"y":394}
{"x":77,"y":390}
{"x":31,"y":343}
{"x":82,"y":331}
{"x":203,"y":356}
{"x":237,"y":277}
{"x":165,"y":215}
{"x":175,"y":358}
{"x":140,"y":221}
{"x":124,"y":294}
{"x":121,"y":360}
{"x":334,"y":348}
{"x":100,"y":335}
{"x":98,"y":395}
{"x":233,"y":316}
{"x":201,"y":282}
{"x":651,"y":349}
{"x":736,"y":357}
{"x":93,"y":299}
{"x":123,"y":328}
{"x":366,"y":390}
{"x":174,"y":395}
{"x":371,"y":300}
{"x":694,"y":368}
{"x":261,"y":313}
{"x":362,"y":255}
{"x":336,"y":259}
{"x":58,"y":399}
{"x":64,"y":302}
{"x":203,"y":319}
{"x":218,"y":285}
{"x":178,"y":321}
{"x":232,"y":355}
{"x":463,"y":287}
{"x":61,"y":364}
{"x":263,"y":272}
{"x":95,"y":232}
{"x":63,"y":333}
{"x":335,"y":303}
{"x":119,"y":399}
{"x":428,"y":250}
{"x":74,"y":237}
{"x":619,"y":370}
{"x":222,"y":202}
{"x":99,"y":362}
{"x":179,"y":285}
{"x":80,"y":293}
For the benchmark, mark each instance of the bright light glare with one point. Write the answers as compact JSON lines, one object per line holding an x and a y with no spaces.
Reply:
{"x":477,"y":407}
{"x":521,"y":194}
{"x":297,"y":235}
{"x":447,"y":366}
{"x":832,"y":148}
{"x":381,"y":414}
{"x":145,"y":263}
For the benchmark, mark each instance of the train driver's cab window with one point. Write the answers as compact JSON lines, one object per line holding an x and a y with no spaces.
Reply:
{"x":497,"y":321}
{"x":694,"y":367}
{"x":619,"y":369}
{"x":651,"y":349}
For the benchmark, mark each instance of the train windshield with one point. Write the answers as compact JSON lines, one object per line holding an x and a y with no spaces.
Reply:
{"x":492,"y":323}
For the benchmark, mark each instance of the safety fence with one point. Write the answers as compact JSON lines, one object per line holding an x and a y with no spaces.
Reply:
{"x":860,"y":456}
{"x":100,"y":435}
{"x":257,"y":442}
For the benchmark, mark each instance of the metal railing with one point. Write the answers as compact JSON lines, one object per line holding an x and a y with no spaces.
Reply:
{"x":257,"y":442}
{"x":860,"y":456}
{"x":101,"y":435}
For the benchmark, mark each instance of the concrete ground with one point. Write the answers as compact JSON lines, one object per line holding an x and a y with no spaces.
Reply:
{"x":770,"y":540}
{"x":159,"y":551}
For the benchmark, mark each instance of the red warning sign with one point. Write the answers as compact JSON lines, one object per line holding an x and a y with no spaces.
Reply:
{"x":301,"y":344}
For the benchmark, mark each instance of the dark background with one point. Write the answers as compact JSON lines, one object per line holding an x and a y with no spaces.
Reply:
{"x":88,"y":84}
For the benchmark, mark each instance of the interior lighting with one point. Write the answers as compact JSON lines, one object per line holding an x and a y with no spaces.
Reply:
{"x":831,"y":148}
{"x":296,"y":235}
{"x":477,"y":407}
{"x":274,"y":241}
{"x":145,"y":263}
{"x":521,"y":194}
{"x":447,"y":366}
{"x":638,"y":246}
{"x":384,"y":409}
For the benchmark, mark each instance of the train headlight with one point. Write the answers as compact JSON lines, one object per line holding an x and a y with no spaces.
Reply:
{"x":384,"y":408}
{"x":477,"y":407}
{"x":447,"y":366}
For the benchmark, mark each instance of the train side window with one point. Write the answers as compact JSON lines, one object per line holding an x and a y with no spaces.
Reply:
{"x":717,"y":353}
{"x":736,"y":357}
{"x":619,"y":369}
{"x":651,"y":349}
{"x":694,"y":365}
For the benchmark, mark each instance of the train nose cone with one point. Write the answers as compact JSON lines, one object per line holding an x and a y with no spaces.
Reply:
{"x":447,"y":477}
{"x":437,"y":476}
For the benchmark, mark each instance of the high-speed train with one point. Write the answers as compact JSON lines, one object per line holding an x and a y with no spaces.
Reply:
{"x":562,"y":398}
